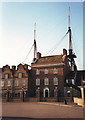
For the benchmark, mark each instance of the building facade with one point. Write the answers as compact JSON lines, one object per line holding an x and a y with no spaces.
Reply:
{"x":14,"y":82}
{"x":49,"y":76}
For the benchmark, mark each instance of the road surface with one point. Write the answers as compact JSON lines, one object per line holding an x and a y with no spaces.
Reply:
{"x":41,"y":110}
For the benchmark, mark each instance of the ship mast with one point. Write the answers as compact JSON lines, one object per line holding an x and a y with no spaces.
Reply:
{"x":71,"y":55}
{"x":35,"y":47}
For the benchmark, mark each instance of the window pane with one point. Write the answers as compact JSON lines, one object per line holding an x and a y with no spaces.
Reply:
{"x":66,"y":81}
{"x":46,"y":81}
{"x":55,"y":81}
{"x":73,"y":81}
{"x":16,"y":82}
{"x":23,"y":82}
{"x":37,"y":81}
{"x":6,"y":76}
{"x":20,"y":75}
{"x":2,"y":83}
{"x":9,"y":83}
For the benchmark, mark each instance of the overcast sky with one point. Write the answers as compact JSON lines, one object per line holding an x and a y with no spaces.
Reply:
{"x":18,"y":18}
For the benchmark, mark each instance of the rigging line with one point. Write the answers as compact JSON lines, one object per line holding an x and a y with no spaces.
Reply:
{"x":75,"y":50}
{"x":50,"y":51}
{"x":53,"y":29}
{"x":59,"y":42}
{"x":28,"y":54}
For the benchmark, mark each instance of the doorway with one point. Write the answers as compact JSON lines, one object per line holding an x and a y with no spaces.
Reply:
{"x":46,"y":92}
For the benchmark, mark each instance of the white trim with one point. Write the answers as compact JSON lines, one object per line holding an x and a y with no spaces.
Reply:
{"x":55,"y":81}
{"x":46,"y":81}
{"x":37,"y":82}
{"x":48,"y":65}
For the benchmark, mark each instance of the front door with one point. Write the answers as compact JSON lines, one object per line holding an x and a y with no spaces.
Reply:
{"x":46,"y":93}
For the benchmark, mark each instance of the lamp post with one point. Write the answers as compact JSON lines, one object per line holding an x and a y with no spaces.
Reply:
{"x":7,"y":96}
{"x":22,"y":94}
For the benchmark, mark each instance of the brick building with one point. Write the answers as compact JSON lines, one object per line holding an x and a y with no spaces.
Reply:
{"x":51,"y":78}
{"x":15,"y":82}
{"x":48,"y":76}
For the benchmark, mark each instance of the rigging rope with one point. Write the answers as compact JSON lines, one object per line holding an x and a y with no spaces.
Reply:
{"x":28,"y":54}
{"x":50,"y":51}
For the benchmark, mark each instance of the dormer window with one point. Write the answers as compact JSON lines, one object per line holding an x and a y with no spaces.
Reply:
{"x":37,"y":72}
{"x":55,"y":71}
{"x":46,"y":71}
{"x":6,"y":76}
{"x":20,"y":75}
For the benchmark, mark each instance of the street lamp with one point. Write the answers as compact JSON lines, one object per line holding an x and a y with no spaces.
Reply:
{"x":22,"y":94}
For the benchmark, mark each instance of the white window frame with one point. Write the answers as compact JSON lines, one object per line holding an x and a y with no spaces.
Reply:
{"x":2,"y":83}
{"x":37,"y":72}
{"x":8,"y":83}
{"x":23,"y":82}
{"x":55,"y":81}
{"x":67,"y":81}
{"x":19,"y":75}
{"x":6,"y":76}
{"x":73,"y":82}
{"x":37,"y":82}
{"x":72,"y":67}
{"x":46,"y":81}
{"x":16,"y":83}
{"x":55,"y":71}
{"x":46,"y":71}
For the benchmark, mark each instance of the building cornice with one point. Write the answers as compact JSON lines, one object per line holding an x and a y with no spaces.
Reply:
{"x":47,"y":65}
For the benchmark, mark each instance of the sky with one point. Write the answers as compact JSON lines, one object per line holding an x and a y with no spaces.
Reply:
{"x":17,"y":30}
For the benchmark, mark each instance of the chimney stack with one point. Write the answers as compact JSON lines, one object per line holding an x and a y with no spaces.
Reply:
{"x":13,"y":67}
{"x":64,"y":52}
{"x":38,"y":55}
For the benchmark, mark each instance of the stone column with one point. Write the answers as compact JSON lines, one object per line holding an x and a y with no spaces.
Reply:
{"x":7,"y":96}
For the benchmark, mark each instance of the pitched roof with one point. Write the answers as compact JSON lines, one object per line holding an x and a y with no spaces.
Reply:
{"x":50,"y":59}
